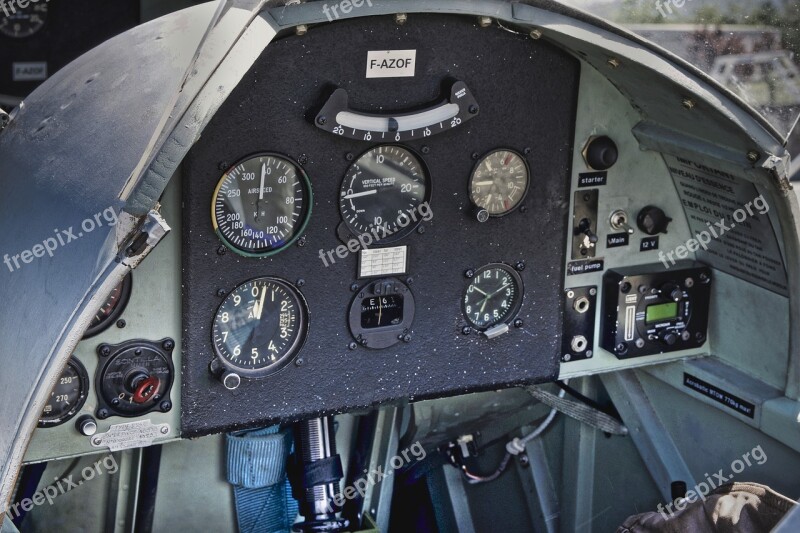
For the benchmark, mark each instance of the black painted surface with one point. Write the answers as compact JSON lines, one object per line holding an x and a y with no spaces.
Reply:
{"x":527,"y":92}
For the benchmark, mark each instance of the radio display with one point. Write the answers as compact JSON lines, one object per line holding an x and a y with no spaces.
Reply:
{"x":662,"y":312}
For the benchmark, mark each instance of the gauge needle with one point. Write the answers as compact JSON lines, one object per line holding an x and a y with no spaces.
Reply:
{"x":498,"y":291}
{"x":260,"y":305}
{"x":261,"y":190}
{"x":360,"y":194}
{"x":380,"y":310}
{"x":484,"y":183}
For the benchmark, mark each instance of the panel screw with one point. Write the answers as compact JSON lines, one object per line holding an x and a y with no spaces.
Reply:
{"x":102,"y":413}
{"x":299,"y":362}
{"x":410,"y":281}
{"x":753,"y":156}
{"x":400,"y":18}
{"x":300,"y":283}
{"x":105,"y":351}
{"x":301,"y":30}
{"x":165,"y":406}
{"x":164,"y":430}
{"x":349,"y":156}
{"x":688,"y":103}
{"x":466,"y":330}
{"x":700,"y":336}
{"x":121,"y":323}
{"x":589,"y":354}
{"x":322,"y":121}
{"x":571,"y":295}
{"x":352,"y":345}
{"x":536,"y":34}
{"x":97,"y":441}
{"x":224,"y":165}
{"x":524,"y":461}
{"x":476,"y":156}
{"x":426,"y":149}
{"x":354,"y":287}
{"x":301,"y":242}
{"x":523,"y":209}
{"x":613,"y":62}
{"x":168,"y":345}
{"x":303,"y":159}
{"x":138,"y":351}
{"x":625,"y":288}
{"x":527,"y":150}
{"x":115,"y":402}
{"x":406,"y":338}
{"x":473,"y":109}
{"x":469,"y":274}
{"x":621,"y":348}
{"x":520,"y":266}
{"x":221,"y":293}
{"x":704,"y":278}
{"x":485,"y":22}
{"x":593,"y":291}
{"x":421,"y":230}
{"x":222,"y":250}
{"x":567,"y":357}
{"x":518,"y":323}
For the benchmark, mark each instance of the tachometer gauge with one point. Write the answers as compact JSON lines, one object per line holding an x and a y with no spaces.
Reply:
{"x":23,"y":21}
{"x":499,"y":182}
{"x":111,"y":309}
{"x":493,"y":297}
{"x":262,"y":205}
{"x":260,"y":327}
{"x":67,"y":397}
{"x":382,"y":192}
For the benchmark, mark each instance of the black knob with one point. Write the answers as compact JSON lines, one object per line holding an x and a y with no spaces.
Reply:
{"x":669,"y":338}
{"x":585,"y":227}
{"x":652,"y":220}
{"x":601,"y":153}
{"x":86,"y":426}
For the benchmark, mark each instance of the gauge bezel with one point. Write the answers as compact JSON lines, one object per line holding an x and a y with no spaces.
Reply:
{"x":403,"y":232}
{"x":515,"y":308}
{"x":293,"y":351}
{"x":305,"y":217}
{"x":527,"y":181}
{"x":83,"y":377}
{"x":36,"y":31}
{"x":383,"y":337}
{"x":124,"y":298}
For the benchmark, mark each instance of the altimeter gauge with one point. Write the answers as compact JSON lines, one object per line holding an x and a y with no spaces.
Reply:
{"x":260,"y":327}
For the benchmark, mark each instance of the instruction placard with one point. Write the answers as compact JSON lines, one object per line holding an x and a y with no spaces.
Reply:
{"x":729,"y":217}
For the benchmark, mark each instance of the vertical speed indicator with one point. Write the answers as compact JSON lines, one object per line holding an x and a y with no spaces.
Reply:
{"x":262,"y":205}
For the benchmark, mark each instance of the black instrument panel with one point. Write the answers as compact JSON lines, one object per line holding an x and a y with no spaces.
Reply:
{"x":390,"y":323}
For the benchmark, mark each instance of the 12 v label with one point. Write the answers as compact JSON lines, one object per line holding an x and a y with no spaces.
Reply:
{"x":391,"y":63}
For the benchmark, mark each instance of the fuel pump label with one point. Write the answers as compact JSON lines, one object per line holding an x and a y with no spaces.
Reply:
{"x":730,"y":223}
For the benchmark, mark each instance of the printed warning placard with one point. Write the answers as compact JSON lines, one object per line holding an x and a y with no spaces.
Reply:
{"x":727,"y":214}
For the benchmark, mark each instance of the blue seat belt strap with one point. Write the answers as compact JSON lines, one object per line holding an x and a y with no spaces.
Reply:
{"x":257,"y":470}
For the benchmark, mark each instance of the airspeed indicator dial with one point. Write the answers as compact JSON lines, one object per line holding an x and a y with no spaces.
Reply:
{"x":261,"y":205}
{"x":260,"y":327}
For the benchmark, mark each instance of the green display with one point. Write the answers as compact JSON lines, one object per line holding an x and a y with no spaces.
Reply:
{"x":660,"y":312}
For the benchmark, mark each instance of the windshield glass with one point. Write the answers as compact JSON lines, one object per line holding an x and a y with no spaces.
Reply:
{"x":748,"y":46}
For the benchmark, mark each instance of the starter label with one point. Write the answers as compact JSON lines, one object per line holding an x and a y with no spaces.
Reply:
{"x":391,"y":63}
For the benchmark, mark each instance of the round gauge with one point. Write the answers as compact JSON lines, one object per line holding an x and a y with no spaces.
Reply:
{"x":112,"y":308}
{"x":262,"y":205}
{"x":494,"y":296}
{"x":260,"y":327}
{"x":67,"y":397}
{"x":134,"y":378}
{"x":499,"y":182}
{"x":23,"y":22}
{"x":383,"y":190}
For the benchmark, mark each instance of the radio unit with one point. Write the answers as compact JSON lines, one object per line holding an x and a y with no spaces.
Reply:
{"x":648,"y":310}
